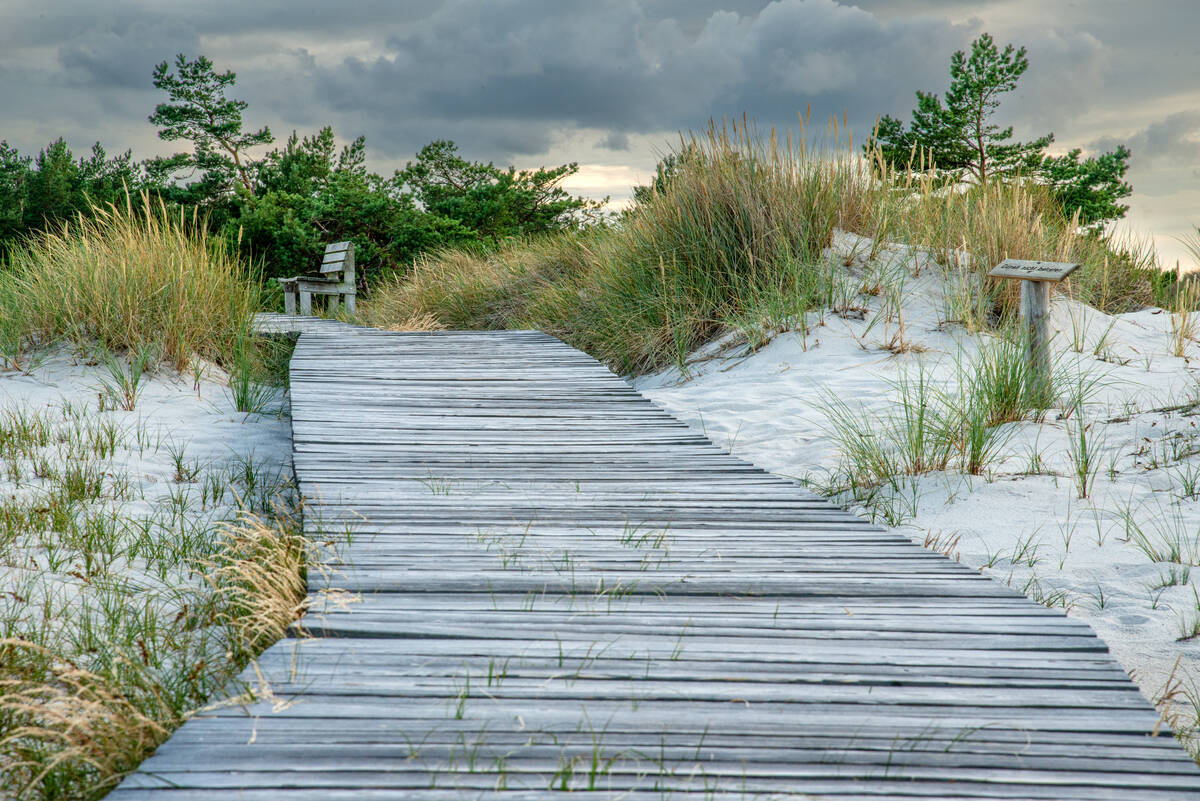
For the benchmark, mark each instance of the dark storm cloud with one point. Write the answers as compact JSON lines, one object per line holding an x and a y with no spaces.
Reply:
{"x":609,"y":81}
{"x":471,"y":65}
{"x":505,"y":77}
{"x":53,"y":23}
{"x":507,"y":60}
{"x":125,"y":58}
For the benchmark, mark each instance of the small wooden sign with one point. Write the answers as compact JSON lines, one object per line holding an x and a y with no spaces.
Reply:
{"x":1036,"y":277}
{"x":1033,"y":270}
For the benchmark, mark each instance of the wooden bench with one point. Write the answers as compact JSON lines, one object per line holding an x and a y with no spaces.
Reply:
{"x":336,"y":281}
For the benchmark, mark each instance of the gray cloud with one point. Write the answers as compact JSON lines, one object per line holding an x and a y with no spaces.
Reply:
{"x":1067,"y":69}
{"x":615,"y":140}
{"x":505,"y":77}
{"x":37,"y":24}
{"x":606,"y":81}
{"x":125,"y":58}
{"x":1165,"y":159}
{"x":472,"y":66}
{"x":1173,"y":140}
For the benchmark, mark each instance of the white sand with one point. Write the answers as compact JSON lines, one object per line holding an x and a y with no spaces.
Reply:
{"x":46,"y":584}
{"x":1032,"y":532}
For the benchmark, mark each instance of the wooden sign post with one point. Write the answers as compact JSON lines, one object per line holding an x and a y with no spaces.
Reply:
{"x":1036,"y":277}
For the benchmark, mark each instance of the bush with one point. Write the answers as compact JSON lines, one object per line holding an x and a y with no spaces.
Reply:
{"x":735,"y":236}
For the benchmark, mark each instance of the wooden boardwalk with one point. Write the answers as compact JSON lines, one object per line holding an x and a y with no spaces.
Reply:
{"x":563,"y":587}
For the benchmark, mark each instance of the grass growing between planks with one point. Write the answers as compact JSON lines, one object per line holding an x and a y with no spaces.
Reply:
{"x":734,"y":241}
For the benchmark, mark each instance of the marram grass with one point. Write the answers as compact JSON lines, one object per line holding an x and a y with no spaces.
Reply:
{"x":735,"y":241}
{"x":72,"y":732}
{"x":128,"y":278}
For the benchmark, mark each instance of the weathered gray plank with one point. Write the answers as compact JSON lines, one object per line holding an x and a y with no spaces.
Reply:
{"x":558,"y":581}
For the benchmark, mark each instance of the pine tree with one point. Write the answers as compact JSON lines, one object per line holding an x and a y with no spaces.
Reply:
{"x":959,"y":136}
{"x":956,"y":140}
{"x":200,"y":113}
{"x":1090,"y":187}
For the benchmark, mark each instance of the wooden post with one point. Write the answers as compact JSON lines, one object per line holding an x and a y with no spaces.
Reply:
{"x":1036,"y":277}
{"x":348,"y":279}
{"x":1035,"y":308}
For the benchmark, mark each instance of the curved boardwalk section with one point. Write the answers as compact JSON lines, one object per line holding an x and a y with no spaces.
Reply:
{"x":564,"y":588}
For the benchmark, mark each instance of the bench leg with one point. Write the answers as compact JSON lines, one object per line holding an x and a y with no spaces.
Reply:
{"x":332,"y":307}
{"x":289,"y":301}
{"x":305,"y":303}
{"x":349,"y":301}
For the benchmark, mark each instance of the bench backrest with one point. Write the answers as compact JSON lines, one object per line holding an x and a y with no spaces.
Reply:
{"x":338,"y":257}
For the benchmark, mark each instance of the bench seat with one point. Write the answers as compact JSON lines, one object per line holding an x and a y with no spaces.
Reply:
{"x":336,"y":281}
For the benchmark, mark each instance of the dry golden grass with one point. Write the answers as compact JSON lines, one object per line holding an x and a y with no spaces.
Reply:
{"x":70,"y":733}
{"x":1185,"y":320}
{"x":422,"y":322}
{"x":258,"y":580}
{"x":971,"y":229}
{"x":126,"y":278}
{"x":735,"y":241}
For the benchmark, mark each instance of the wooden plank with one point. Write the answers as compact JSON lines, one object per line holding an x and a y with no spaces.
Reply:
{"x":550,"y":569}
{"x":339,"y":257}
{"x":1029,"y":270}
{"x":879,"y":735}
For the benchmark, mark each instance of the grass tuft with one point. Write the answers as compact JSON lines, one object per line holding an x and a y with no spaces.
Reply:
{"x":124,"y":385}
{"x":71,"y":732}
{"x":127,"y":279}
{"x":259,"y":580}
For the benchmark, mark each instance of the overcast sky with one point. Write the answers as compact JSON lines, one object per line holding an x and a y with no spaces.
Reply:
{"x":611,"y":83}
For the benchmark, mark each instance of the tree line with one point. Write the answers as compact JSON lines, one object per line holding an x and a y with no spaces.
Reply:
{"x":283,"y":206}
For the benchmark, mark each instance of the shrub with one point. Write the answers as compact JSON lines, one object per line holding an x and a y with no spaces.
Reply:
{"x":736,"y":235}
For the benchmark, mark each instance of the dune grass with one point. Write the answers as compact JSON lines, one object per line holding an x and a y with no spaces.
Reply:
{"x":735,"y":241}
{"x":116,"y":622}
{"x":129,"y":600}
{"x":71,"y":731}
{"x":126,"y":279}
{"x":972,"y":230}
